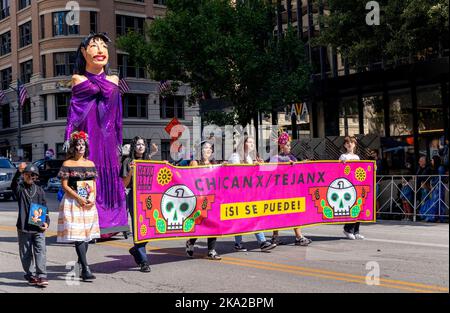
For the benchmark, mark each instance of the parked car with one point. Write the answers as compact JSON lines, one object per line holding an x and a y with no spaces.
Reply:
{"x":7,"y":172}
{"x":53,"y":184}
{"x":47,"y":169}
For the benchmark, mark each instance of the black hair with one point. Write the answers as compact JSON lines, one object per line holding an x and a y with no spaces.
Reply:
{"x":71,"y":152}
{"x":212,"y":160}
{"x":437,"y":162}
{"x":80,"y":61}
{"x":133,"y":148}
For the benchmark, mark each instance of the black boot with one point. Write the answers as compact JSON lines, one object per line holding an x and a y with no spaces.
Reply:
{"x":86,"y":274}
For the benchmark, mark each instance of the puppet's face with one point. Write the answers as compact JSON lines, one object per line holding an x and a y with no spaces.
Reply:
{"x":140,"y":147}
{"x":80,"y":147}
{"x":96,"y":53}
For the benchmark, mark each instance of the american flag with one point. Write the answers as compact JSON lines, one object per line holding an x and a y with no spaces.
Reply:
{"x":123,"y":86}
{"x":164,"y":85}
{"x":2,"y":96}
{"x":23,"y":94}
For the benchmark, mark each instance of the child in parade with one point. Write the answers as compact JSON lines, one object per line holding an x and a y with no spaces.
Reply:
{"x":138,"y":151}
{"x":206,"y":158}
{"x":351,"y":230}
{"x":285,"y":155}
{"x":248,"y":155}
{"x":78,"y":217}
{"x":31,"y":238}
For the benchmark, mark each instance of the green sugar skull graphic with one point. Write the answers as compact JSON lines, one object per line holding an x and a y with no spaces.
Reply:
{"x":341,"y":197}
{"x":177,"y":204}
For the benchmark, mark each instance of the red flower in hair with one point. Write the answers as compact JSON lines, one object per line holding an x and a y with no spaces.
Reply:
{"x":80,"y":135}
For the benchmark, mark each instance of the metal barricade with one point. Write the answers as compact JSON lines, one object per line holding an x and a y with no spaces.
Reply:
{"x":413,"y":197}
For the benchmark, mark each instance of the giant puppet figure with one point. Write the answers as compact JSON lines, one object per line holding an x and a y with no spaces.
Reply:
{"x":96,"y":108}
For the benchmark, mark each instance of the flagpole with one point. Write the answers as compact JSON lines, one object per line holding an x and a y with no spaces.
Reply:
{"x":19,"y":126}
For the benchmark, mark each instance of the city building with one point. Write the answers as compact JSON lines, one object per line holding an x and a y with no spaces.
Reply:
{"x":405,"y":105}
{"x":38,"y":41}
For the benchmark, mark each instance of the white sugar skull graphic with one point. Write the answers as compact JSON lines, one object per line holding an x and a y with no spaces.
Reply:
{"x":177,"y":203}
{"x":341,"y":196}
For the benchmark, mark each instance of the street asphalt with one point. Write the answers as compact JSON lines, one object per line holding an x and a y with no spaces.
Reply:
{"x":405,"y":256}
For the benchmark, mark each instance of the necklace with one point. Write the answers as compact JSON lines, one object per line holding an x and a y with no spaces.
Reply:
{"x":33,"y":190}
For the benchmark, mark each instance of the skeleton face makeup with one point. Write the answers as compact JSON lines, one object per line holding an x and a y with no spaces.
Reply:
{"x":80,"y":147}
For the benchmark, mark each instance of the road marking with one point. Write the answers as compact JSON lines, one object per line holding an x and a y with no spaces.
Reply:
{"x":297,"y":270}
{"x":413,"y":243}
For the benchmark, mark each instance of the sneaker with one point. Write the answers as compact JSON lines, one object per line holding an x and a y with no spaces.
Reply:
{"x":276,"y":240}
{"x":239,"y":248}
{"x":359,"y":236}
{"x":267,"y":245}
{"x":349,"y":235}
{"x":42,"y":282}
{"x":145,"y":268}
{"x":213,"y":255}
{"x":303,"y":241}
{"x":189,"y":249}
{"x":32,"y":280}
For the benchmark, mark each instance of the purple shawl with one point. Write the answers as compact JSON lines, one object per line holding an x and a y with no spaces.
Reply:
{"x":96,"y":108}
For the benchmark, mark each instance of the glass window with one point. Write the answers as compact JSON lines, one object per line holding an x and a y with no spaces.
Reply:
{"x":165,"y":150}
{"x":4,"y":9}
{"x":64,"y":63}
{"x":6,"y":77}
{"x":26,"y":112}
{"x":160,"y":2}
{"x":24,"y":3}
{"x":25,"y":34}
{"x":5,"y":43}
{"x":172,"y":106}
{"x":373,"y":115}
{"x":125,"y":24}
{"x":6,"y":116}
{"x":93,"y":21}
{"x":429,"y":108}
{"x":128,"y":69}
{"x":42,"y":26}
{"x":401,"y":119}
{"x":135,"y":106}
{"x":26,"y":70}
{"x":348,"y":117}
{"x":61,"y":28}
{"x":62,"y":101}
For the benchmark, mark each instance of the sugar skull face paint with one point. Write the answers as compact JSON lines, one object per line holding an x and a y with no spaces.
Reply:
{"x":80,"y":147}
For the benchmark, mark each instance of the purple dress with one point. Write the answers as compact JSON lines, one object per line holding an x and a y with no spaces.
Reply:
{"x":96,"y":108}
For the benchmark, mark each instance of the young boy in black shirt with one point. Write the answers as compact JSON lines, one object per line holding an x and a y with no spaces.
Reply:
{"x":31,"y":238}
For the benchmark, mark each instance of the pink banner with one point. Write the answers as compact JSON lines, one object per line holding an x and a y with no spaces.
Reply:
{"x":212,"y":201}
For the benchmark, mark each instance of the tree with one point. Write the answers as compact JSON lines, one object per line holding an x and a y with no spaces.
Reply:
{"x":226,"y":50}
{"x":408,"y":29}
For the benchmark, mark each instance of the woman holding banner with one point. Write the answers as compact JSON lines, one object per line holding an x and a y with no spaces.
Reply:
{"x":247,"y":154}
{"x":206,"y":158}
{"x":284,"y":146}
{"x":138,"y":151}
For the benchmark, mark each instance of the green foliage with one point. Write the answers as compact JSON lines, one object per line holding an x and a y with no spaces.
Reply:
{"x":408,"y":29}
{"x":224,"y":50}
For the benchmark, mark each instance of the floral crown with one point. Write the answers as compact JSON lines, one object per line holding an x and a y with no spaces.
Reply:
{"x":283,"y":138}
{"x":79,"y":135}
